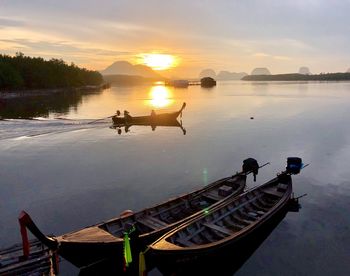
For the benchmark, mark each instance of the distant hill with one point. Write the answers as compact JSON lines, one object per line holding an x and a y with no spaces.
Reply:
{"x":304,"y":70}
{"x":126,"y":80}
{"x":299,"y":77}
{"x":207,"y":73}
{"x":348,"y":70}
{"x":260,"y":71}
{"x":226,"y":75}
{"x":126,"y":68}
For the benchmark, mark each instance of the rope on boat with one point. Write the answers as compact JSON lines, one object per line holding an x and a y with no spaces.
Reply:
{"x":142,"y":263}
{"x":127,"y":247}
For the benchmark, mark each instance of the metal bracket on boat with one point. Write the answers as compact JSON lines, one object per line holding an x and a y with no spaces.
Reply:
{"x":293,"y":204}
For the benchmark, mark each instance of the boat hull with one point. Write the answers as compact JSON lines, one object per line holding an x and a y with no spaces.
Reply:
{"x":164,"y":119}
{"x":105,"y":240}
{"x":166,"y":255}
{"x":158,"y":120}
{"x":223,"y":260}
{"x":82,"y":254}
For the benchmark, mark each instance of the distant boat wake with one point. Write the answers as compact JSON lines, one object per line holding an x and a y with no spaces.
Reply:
{"x":26,"y":128}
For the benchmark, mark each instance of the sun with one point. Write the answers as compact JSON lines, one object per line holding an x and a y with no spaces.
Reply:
{"x":160,"y":96}
{"x":159,"y":61}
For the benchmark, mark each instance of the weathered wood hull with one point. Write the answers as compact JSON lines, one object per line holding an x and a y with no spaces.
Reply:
{"x":164,"y":119}
{"x":105,"y":240}
{"x":158,"y":120}
{"x":167,"y":253}
{"x":220,"y":261}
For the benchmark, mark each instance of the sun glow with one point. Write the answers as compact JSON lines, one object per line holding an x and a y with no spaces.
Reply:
{"x":159,"y":61}
{"x":160,"y":96}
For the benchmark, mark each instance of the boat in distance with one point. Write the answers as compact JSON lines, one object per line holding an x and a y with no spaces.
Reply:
{"x":229,"y":223}
{"x":127,"y":126}
{"x":163,"y":119}
{"x":106,"y":239}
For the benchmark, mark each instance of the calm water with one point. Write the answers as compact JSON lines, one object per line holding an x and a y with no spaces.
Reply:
{"x":72,"y":173}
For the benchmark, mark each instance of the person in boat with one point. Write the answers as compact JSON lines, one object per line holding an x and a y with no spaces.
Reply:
{"x":153,"y":118}
{"x":127,"y":115}
{"x":153,"y":114}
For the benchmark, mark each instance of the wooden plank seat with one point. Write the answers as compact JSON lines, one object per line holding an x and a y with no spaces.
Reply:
{"x":152,"y":222}
{"x":260,"y":212}
{"x":282,"y":187}
{"x":253,"y":214}
{"x":213,"y":195}
{"x":233,"y":224}
{"x":273,"y":192}
{"x":168,"y":209}
{"x":265,"y":204}
{"x":244,"y":214}
{"x":221,"y":229}
{"x":248,"y":221}
{"x":259,"y":207}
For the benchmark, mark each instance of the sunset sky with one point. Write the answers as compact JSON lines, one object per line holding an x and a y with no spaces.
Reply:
{"x":223,"y":35}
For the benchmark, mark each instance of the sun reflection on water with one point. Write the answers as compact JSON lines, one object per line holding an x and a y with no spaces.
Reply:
{"x":160,"y":96}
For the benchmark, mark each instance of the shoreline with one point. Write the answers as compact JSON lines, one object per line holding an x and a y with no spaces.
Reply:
{"x":329,"y":77}
{"x":10,"y":94}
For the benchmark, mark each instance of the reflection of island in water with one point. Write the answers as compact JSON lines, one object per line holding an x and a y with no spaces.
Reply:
{"x":31,"y":106}
{"x":224,"y":262}
{"x":153,"y":120}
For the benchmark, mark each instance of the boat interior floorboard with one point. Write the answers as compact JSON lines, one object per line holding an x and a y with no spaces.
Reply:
{"x":185,"y":242}
{"x":231,"y":224}
{"x":273,"y":191}
{"x":209,"y":236}
{"x":152,"y":222}
{"x":218,"y":228}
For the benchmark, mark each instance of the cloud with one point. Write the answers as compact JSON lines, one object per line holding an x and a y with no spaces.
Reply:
{"x":282,"y":57}
{"x":62,"y":47}
{"x":6,"y":22}
{"x":264,"y":55}
{"x":82,"y":54}
{"x":221,"y":34}
{"x":261,"y":55}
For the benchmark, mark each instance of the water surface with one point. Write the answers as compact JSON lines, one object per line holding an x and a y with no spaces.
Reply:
{"x":72,"y":173}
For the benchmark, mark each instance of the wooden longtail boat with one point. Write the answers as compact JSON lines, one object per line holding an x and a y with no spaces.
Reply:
{"x":224,"y":225}
{"x":168,"y":123}
{"x":163,"y":119}
{"x":104,"y":240}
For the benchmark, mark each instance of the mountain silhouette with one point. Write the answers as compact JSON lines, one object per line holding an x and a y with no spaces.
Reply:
{"x":226,"y":75}
{"x":126,"y":68}
{"x":260,"y":71}
{"x":207,"y":73}
{"x":304,"y":70}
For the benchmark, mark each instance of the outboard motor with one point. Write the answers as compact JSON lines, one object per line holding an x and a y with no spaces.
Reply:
{"x":251,"y":165}
{"x":294,"y":165}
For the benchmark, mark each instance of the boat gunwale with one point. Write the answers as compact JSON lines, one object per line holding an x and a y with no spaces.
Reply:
{"x":192,"y":194}
{"x":235,"y":235}
{"x":168,"y":115}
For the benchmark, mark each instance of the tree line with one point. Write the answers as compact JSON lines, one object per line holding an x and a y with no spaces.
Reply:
{"x":24,"y":72}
